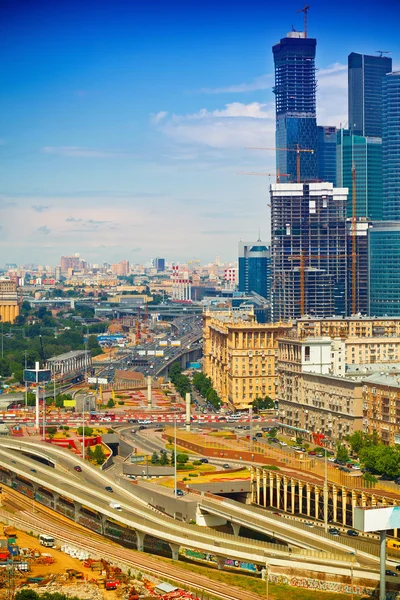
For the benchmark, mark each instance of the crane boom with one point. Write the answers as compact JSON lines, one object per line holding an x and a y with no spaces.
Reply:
{"x":305,"y":10}
{"x":298,"y":151}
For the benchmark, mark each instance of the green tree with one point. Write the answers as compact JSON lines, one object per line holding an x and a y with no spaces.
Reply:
{"x":172,"y":460}
{"x":342,"y":453}
{"x":94,"y":346}
{"x":88,"y":431}
{"x":182,"y":458}
{"x":99,"y":455}
{"x":163,"y":459}
{"x":155,"y":459}
{"x":110,"y":403}
{"x":272,"y":432}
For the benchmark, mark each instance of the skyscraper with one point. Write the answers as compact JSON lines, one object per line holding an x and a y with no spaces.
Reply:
{"x":255,"y":268}
{"x":384,"y":269}
{"x":308,"y":249}
{"x":365,"y":74}
{"x":365,"y":154}
{"x":391,"y":145}
{"x":326,"y":153}
{"x":295,"y":88}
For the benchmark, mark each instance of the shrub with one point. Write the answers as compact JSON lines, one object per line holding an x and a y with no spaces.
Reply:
{"x":197,"y":463}
{"x":193,"y":474}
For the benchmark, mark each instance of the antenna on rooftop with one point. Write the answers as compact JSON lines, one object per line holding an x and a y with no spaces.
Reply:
{"x":304,"y":10}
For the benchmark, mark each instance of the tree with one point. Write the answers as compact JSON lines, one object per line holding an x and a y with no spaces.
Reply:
{"x":172,"y":461}
{"x":99,"y":455}
{"x":182,"y":458}
{"x":89,"y":453}
{"x":342,"y":453}
{"x":163,"y":459}
{"x":155,"y":459}
{"x":88,"y":431}
{"x":94,"y":346}
{"x":110,"y":403}
{"x":272,"y":432}
{"x":359,"y":440}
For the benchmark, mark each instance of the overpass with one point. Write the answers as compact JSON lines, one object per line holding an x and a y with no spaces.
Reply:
{"x":83,"y":499}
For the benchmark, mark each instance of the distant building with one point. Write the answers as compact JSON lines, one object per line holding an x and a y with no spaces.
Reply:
{"x":326,"y":153}
{"x":71,"y":262}
{"x":360,"y":234}
{"x":255,"y":268}
{"x":159,"y":264}
{"x":384,"y":269}
{"x":381,"y":405}
{"x":391,"y":146}
{"x":365,"y":154}
{"x":295,"y":101}
{"x":121,"y":269}
{"x":58,"y":273}
{"x":365,"y":74}
{"x":9,"y":308}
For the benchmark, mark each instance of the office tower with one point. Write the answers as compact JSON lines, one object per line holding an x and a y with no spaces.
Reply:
{"x":365,"y":74}
{"x":360,"y":234}
{"x":365,"y":153}
{"x":159,"y":264}
{"x":255,"y":268}
{"x":326,"y":153}
{"x":391,"y":145}
{"x":384,"y":269}
{"x":308,"y":250}
{"x":295,"y":87}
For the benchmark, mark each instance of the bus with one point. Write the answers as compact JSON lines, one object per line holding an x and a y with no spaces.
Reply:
{"x":47,"y":540}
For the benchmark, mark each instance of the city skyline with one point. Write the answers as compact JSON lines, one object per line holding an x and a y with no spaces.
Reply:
{"x":122,"y":130}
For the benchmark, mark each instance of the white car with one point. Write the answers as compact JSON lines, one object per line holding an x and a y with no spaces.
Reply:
{"x":331,"y":459}
{"x":283,"y":443}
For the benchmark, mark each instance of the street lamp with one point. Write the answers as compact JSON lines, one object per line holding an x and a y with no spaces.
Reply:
{"x":175,"y":482}
{"x":267,"y":581}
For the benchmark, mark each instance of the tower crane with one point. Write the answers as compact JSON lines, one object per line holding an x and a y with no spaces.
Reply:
{"x":382,"y":52}
{"x":278,"y":174}
{"x":298,"y":151}
{"x":302,"y":258}
{"x":305,"y":10}
{"x":353,"y":240}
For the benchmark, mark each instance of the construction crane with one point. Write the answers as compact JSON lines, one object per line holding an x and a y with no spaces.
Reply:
{"x":302,"y":258}
{"x":304,"y":10}
{"x":353,"y":240}
{"x":298,"y":151}
{"x":382,"y":52}
{"x":278,"y":174}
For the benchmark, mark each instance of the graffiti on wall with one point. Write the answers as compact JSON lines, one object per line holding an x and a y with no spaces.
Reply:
{"x":311,"y":583}
{"x":228,"y":562}
{"x":89,"y":523}
{"x":22,"y":488}
{"x":65,"y":510}
{"x":154,"y":545}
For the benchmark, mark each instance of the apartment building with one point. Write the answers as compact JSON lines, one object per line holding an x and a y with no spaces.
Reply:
{"x":240,"y":355}
{"x":349,"y":327}
{"x":9,"y":308}
{"x":381,"y":407}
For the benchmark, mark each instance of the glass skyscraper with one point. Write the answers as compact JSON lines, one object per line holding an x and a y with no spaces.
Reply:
{"x":391,"y":145}
{"x":365,"y":153}
{"x":255,"y":268}
{"x":295,"y":89}
{"x":384,"y":269}
{"x":365,"y":74}
{"x":326,"y":153}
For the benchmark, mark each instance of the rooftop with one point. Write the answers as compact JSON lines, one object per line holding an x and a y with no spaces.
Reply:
{"x":67,"y":355}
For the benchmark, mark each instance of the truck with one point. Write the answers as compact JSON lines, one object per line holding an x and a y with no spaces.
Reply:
{"x":111,"y":584}
{"x":10,"y":531}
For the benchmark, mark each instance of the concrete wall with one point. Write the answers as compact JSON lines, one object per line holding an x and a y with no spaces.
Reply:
{"x":152,"y":470}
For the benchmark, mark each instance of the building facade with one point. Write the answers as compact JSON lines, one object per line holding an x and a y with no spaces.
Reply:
{"x":365,"y":154}
{"x":295,"y":100}
{"x":120,"y":269}
{"x":255,"y":268}
{"x":351,"y":327}
{"x":308,"y":250}
{"x":358,"y":232}
{"x":384,"y":268}
{"x":391,"y":146}
{"x":365,"y":74}
{"x":9,"y":308}
{"x":240,"y":355}
{"x":326,"y":153}
{"x":381,"y":407}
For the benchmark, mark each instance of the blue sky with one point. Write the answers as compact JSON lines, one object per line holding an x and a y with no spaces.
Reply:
{"x":123,"y":123}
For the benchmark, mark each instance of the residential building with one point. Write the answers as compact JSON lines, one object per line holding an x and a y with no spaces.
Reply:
{"x":120,"y":269}
{"x":391,"y":146}
{"x":72,"y":262}
{"x":240,"y":355}
{"x":365,"y":74}
{"x":351,"y":327}
{"x":9,"y":308}
{"x":255,"y":268}
{"x":308,"y":250}
{"x":384,"y":268}
{"x":381,"y":407}
{"x":295,"y":101}
{"x":365,"y":155}
{"x":326,"y":153}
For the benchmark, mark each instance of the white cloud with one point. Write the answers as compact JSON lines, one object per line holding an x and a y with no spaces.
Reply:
{"x":159,"y":116}
{"x":79,"y":152}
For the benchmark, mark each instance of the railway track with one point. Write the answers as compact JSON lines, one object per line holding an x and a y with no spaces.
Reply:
{"x":73,"y":533}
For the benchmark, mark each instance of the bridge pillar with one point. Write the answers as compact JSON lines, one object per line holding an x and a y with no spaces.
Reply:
{"x":271,"y":488}
{"x":252,"y":484}
{"x":316,"y":507}
{"x":140,"y":540}
{"x":373,"y":500}
{"x":344,"y":506}
{"x":103,"y":520}
{"x":300,"y":498}
{"x":363,"y":499}
{"x":383,"y":501}
{"x":258,"y":485}
{"x":77,"y":508}
{"x":293,"y":492}
{"x":278,"y":491}
{"x":220,"y":562}
{"x":236,"y":528}
{"x":308,"y":492}
{"x":285,"y":494}
{"x":175,"y":551}
{"x":334,"y":502}
{"x":264,"y":488}
{"x":353,"y":504}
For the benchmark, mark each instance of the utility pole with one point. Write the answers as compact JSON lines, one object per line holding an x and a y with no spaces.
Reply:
{"x":326,"y":496}
{"x":2,"y":340}
{"x":26,"y":385}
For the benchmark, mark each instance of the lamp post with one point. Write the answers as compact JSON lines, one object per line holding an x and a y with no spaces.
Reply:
{"x":26,"y":385}
{"x":326,"y":495}
{"x":175,"y":481}
{"x":2,"y":339}
{"x":267,"y":581}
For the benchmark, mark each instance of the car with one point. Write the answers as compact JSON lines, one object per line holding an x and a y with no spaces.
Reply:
{"x":131,"y":477}
{"x":333,"y":531}
{"x":13,"y":462}
{"x":132,"y":420}
{"x":226,"y":466}
{"x":391,"y":573}
{"x":283,"y":443}
{"x":296,"y":448}
{"x":179,"y":493}
{"x":265,"y":429}
{"x":108,"y":488}
{"x":277,"y":514}
{"x":142,"y":427}
{"x":312,"y":452}
{"x":330,"y":459}
{"x":309,"y":524}
{"x":319,"y":455}
{"x":78,"y":468}
{"x":352,"y":533}
{"x":397,"y":567}
{"x":33,"y":470}
{"x":258,"y":434}
{"x":355,"y":467}
{"x":203,"y":460}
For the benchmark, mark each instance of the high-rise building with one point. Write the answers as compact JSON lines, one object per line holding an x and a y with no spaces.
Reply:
{"x":255,"y":268}
{"x":365,"y":74}
{"x":121,"y":269}
{"x":295,"y":89}
{"x":359,"y":232}
{"x":159,"y":264}
{"x":365,"y":154}
{"x":326,"y":153}
{"x":384,"y":269}
{"x":308,"y":249}
{"x":391,"y":145}
{"x":70,"y":262}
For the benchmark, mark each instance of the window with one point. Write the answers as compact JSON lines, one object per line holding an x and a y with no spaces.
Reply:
{"x":307,"y":353}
